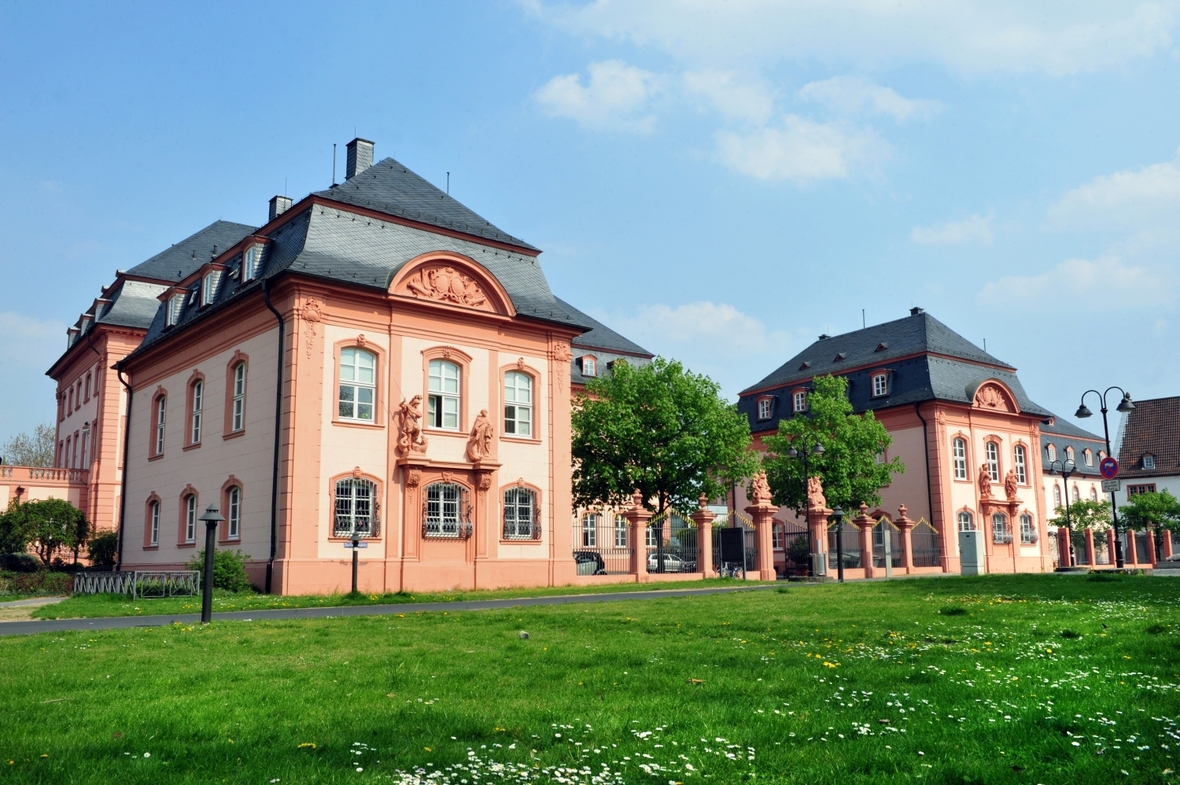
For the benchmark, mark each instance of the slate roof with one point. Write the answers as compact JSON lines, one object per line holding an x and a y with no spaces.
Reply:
{"x":603,"y":343}
{"x":391,"y":188}
{"x":133,"y":304}
{"x":1062,"y":434}
{"x":184,"y":257}
{"x":1152,"y":428}
{"x":939,"y":364}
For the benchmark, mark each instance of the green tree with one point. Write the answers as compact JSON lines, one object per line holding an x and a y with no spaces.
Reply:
{"x":1083,"y":515}
{"x":849,"y":467}
{"x":1152,"y":509}
{"x":229,"y":569}
{"x":661,"y":429}
{"x":35,"y":449}
{"x":46,"y":526}
{"x":103,"y":549}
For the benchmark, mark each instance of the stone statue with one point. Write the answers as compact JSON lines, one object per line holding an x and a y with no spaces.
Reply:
{"x":815,"y":494}
{"x":409,"y":429}
{"x":1010,"y":484}
{"x":479,"y":446}
{"x":985,"y":482}
{"x":760,"y":489}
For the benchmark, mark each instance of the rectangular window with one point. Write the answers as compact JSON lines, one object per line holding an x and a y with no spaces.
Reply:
{"x":959,"y":448}
{"x":966,"y":522}
{"x":776,"y":538}
{"x":1000,"y":533}
{"x":233,"y":515}
{"x":209,"y":287}
{"x":190,"y":518}
{"x":1018,"y":462}
{"x":250,"y":262}
{"x":620,"y":532}
{"x":518,"y":404}
{"x":589,"y":366}
{"x":444,"y":395}
{"x":358,"y":385}
{"x":1148,"y":461}
{"x":653,"y":537}
{"x":161,"y":414}
{"x":801,"y":401}
{"x":198,"y":405}
{"x":1135,"y":490}
{"x":590,"y":531}
{"x":520,"y":509}
{"x":442,"y":510}
{"x":993,"y":461}
{"x":175,"y":303}
{"x":1028,"y":534}
{"x":239,"y":402}
{"x":85,"y":448}
{"x":354,"y":508}
{"x":880,"y":385}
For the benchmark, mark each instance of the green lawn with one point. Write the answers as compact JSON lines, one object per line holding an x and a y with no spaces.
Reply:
{"x":1021,"y":679}
{"x":89,"y":606}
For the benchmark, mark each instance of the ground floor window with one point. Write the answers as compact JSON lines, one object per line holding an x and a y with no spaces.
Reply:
{"x":590,"y":530}
{"x":966,"y":522}
{"x":620,"y":532}
{"x":1028,"y":532}
{"x":356,"y":508}
{"x":446,"y":511}
{"x":1000,"y":532}
{"x":520,"y":515}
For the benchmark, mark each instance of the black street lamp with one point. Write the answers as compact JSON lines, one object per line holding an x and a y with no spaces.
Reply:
{"x":356,"y":541}
{"x":1124,"y":406}
{"x":838,"y":514}
{"x":1065,"y":470}
{"x":211,"y":518}
{"x":801,"y":455}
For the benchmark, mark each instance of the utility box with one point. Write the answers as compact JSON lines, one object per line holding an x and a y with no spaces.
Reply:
{"x":819,"y":564}
{"x":971,"y":556}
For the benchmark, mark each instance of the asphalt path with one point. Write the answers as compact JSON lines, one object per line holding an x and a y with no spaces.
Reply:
{"x":129,"y":622}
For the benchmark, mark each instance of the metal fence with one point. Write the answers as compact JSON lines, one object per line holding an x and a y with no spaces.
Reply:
{"x":749,"y":545}
{"x":926,"y":544}
{"x":882,"y":532}
{"x":601,"y":544}
{"x":1101,"y":549}
{"x":671,"y":545}
{"x":849,"y":547}
{"x":1077,"y":541}
{"x":139,"y":585}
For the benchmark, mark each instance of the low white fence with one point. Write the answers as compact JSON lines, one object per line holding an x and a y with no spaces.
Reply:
{"x":139,"y":585}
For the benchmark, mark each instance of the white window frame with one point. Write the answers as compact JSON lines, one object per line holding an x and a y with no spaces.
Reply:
{"x":356,"y":397}
{"x":198,"y":406}
{"x":1069,"y":454}
{"x":777,"y":536}
{"x":1075,"y":495}
{"x":85,"y":447}
{"x":355,"y":508}
{"x":233,"y":514}
{"x":652,"y":539}
{"x":966,"y":521}
{"x":443,"y":513}
{"x":445,"y":404}
{"x":620,"y":532}
{"x":1018,"y":461}
{"x":1051,"y":452}
{"x":880,"y":385}
{"x":1088,"y":456}
{"x":172,"y":313}
{"x":520,"y":514}
{"x":1056,"y":496}
{"x":238,"y":421}
{"x":250,"y":262}
{"x":518,"y":404}
{"x":1148,"y":461}
{"x":765,"y":408}
{"x":1000,"y":532}
{"x":190,"y":518}
{"x":590,"y":530}
{"x":1028,"y":532}
{"x":959,"y":450}
{"x":209,"y":287}
{"x":154,"y":524}
{"x":1093,"y":494}
{"x":800,"y":401}
{"x":589,"y":366}
{"x":992,"y":451}
{"x":161,"y":418}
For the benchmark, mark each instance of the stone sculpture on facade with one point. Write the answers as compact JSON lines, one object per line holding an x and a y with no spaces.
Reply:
{"x":1010,"y":484}
{"x":409,"y":426}
{"x":985,"y":482}
{"x":446,"y":284}
{"x":479,"y":446}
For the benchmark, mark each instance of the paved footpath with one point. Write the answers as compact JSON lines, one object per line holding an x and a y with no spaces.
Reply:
{"x":126,"y":622}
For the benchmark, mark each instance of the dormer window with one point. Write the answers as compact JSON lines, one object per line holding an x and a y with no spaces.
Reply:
{"x":1069,"y":453}
{"x":1088,"y":457}
{"x":250,"y":260}
{"x":589,"y":366}
{"x":880,"y":385}
{"x":804,"y":366}
{"x":881,"y":347}
{"x":209,"y":287}
{"x":175,"y":304}
{"x":1051,"y":451}
{"x":800,"y":400}
{"x":765,"y":408}
{"x":840,"y":356}
{"x":1148,"y":461}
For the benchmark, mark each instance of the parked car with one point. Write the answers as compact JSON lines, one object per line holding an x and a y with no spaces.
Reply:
{"x":589,"y":563}
{"x":671,"y":562}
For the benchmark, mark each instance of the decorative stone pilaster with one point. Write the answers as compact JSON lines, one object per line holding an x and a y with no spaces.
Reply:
{"x":637,"y":517}
{"x":762,"y":514}
{"x":865,"y":523}
{"x":703,"y":518}
{"x":905,"y":526}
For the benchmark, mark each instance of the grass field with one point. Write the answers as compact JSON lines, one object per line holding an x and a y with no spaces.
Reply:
{"x":997,"y":679}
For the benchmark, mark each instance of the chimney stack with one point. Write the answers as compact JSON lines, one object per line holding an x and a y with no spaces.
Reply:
{"x":360,"y":157}
{"x":915,"y":311}
{"x":278,"y":206}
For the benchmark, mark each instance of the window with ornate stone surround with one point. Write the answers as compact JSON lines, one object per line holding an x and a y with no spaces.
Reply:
{"x":992,"y":453}
{"x":446,"y":511}
{"x":959,"y":454}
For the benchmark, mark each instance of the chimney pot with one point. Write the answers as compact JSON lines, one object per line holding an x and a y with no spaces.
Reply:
{"x":278,"y":206}
{"x":915,"y":311}
{"x":360,"y":157}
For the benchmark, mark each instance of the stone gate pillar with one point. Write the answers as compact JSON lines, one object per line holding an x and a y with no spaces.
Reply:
{"x":906,"y":526}
{"x":1063,"y":547}
{"x":637,"y":517}
{"x":865,"y":523}
{"x":1090,"y":548}
{"x":704,"y":521}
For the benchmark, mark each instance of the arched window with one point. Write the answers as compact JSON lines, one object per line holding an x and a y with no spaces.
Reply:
{"x":1074,"y":494}
{"x":153,"y":524}
{"x":520,"y":517}
{"x":1056,"y":496}
{"x":190,"y":518}
{"x":993,"y":461}
{"x":88,"y":380}
{"x":1028,"y":533}
{"x":776,"y":537}
{"x":85,"y":447}
{"x":1051,"y":451}
{"x":1000,"y":531}
{"x":233,"y":514}
{"x":765,"y":408}
{"x":238,"y":411}
{"x":1088,"y":456}
{"x":1069,"y":453}
{"x":358,"y":385}
{"x":880,"y":384}
{"x":161,"y":415}
{"x":589,"y":527}
{"x":966,"y":521}
{"x":443,"y":409}
{"x":518,"y":404}
{"x":198,"y":398}
{"x":446,"y":512}
{"x":959,"y":448}
{"x":1019,"y":463}
{"x":356,"y":508}
{"x":1093,"y":494}
{"x":620,"y":531}
{"x":1101,"y":455}
{"x":801,"y":401}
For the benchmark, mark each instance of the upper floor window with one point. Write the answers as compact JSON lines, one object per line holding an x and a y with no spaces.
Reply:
{"x":1088,"y":456}
{"x":966,"y":522}
{"x":589,"y":366}
{"x":356,"y":508}
{"x":190,"y":518}
{"x":1028,"y":532}
{"x":993,"y":461}
{"x":801,"y":401}
{"x":1074,"y":494}
{"x":1135,"y":490}
{"x":1018,"y":461}
{"x":520,"y":515}
{"x":1056,"y":496}
{"x":172,"y":314}
{"x":443,"y":410}
{"x":446,"y":511}
{"x":1093,"y":494}
{"x":518,"y":404}
{"x":238,"y":405}
{"x":1069,"y":453}
{"x":880,"y":384}
{"x":161,"y":416}
{"x":1051,"y":451}
{"x":358,"y":385}
{"x":70,"y":405}
{"x":959,"y":449}
{"x":250,"y":262}
{"x":1101,"y":455}
{"x":154,"y":524}
{"x":198,"y":393}
{"x":1148,"y":461}
{"x":209,"y":287}
{"x":233,"y":513}
{"x":590,"y":530}
{"x":88,"y":380}
{"x":765,"y":407}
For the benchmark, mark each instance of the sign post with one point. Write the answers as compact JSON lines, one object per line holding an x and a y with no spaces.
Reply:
{"x":1108,"y":467}
{"x":355,"y":544}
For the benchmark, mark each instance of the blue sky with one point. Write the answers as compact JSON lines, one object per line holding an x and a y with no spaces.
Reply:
{"x":720,"y":182}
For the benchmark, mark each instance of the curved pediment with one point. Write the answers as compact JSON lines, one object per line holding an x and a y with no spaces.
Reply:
{"x":452,"y":280}
{"x":994,"y":395}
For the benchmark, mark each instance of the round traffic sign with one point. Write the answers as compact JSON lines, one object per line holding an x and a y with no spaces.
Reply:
{"x":1108,"y":467}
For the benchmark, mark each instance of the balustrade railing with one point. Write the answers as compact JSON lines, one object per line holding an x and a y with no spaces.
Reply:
{"x":45,"y":474}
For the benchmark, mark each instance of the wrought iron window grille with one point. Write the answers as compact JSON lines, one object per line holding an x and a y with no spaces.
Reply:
{"x":451,"y":517}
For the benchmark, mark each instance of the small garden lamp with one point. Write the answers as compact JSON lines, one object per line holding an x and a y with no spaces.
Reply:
{"x":838,"y":516}
{"x":211,"y":517}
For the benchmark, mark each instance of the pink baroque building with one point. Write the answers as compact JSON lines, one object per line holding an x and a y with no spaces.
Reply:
{"x":375,"y":361}
{"x":963,"y":426}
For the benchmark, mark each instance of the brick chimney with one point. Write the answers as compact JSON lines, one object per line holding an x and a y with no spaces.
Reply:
{"x":278,"y":206}
{"x":360,"y":157}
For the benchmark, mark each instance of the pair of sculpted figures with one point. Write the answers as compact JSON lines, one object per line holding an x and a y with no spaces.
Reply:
{"x":760,"y":493}
{"x":1011,"y":484}
{"x":410,"y":438}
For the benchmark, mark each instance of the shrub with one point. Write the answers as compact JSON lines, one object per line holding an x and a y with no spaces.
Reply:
{"x":19,"y":562}
{"x":38,"y":582}
{"x":229,"y":570}
{"x":102,"y":549}
{"x":799,"y":551}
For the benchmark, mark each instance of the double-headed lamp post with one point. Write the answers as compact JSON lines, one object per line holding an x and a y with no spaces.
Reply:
{"x":801,"y":455}
{"x":212,"y":517}
{"x":1125,"y":405}
{"x":838,"y":515}
{"x":1065,"y":470}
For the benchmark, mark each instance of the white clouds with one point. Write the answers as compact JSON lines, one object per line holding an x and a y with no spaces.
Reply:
{"x":732,"y":96}
{"x":976,"y":229}
{"x":1127,"y":199}
{"x":853,"y":95}
{"x":614,"y":98}
{"x":1055,"y":37}
{"x":29,"y":342}
{"x":1105,"y":283}
{"x":800,"y":150}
